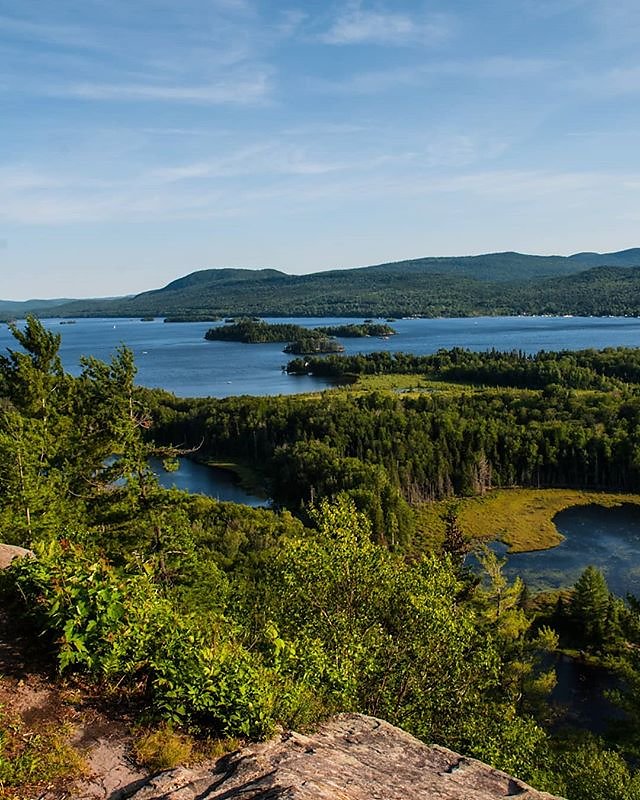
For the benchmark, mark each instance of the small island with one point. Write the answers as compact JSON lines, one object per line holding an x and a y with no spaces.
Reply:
{"x":353,"y":331}
{"x":250,"y":331}
{"x":253,"y":331}
{"x":192,"y":318}
{"x":312,"y":344}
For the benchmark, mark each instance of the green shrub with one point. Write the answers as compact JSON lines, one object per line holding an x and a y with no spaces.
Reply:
{"x":120,"y":629}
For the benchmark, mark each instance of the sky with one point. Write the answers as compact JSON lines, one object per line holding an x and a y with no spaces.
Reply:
{"x":141,"y":140}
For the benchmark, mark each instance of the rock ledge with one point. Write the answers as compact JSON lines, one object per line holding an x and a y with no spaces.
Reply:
{"x":351,"y":757}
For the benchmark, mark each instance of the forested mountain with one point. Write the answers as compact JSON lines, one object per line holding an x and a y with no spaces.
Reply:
{"x":495,"y":283}
{"x":20,"y":308}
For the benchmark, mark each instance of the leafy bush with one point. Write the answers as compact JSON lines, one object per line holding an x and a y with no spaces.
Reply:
{"x":119,"y":628}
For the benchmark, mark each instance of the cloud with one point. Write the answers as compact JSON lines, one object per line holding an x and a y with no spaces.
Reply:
{"x":242,"y":91}
{"x":266,"y":159}
{"x":356,"y":25}
{"x":246,"y":181}
{"x":617,"y":23}
{"x":68,"y":36}
{"x":617,"y":81}
{"x":428,"y":73}
{"x":211,"y":53}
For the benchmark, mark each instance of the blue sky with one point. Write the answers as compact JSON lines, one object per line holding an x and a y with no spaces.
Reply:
{"x":143,"y":139}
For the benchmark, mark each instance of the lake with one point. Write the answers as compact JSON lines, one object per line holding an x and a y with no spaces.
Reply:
{"x":215,"y":482}
{"x":176,"y":357}
{"x":608,"y":538}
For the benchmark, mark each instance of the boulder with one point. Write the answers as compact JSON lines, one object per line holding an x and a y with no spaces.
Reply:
{"x":10,"y":551}
{"x":351,"y":757}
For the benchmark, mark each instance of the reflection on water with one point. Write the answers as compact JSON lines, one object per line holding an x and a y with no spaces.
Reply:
{"x":608,"y":538}
{"x":220,"y":484}
{"x":580,"y":694}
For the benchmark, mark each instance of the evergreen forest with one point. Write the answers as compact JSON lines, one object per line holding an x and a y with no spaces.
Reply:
{"x":220,"y":619}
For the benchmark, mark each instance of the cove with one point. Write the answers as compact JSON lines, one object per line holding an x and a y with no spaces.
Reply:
{"x":608,"y":538}
{"x":221,"y":484}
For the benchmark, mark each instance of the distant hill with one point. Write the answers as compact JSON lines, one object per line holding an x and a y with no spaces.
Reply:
{"x":494,"y":283}
{"x":623,"y":258}
{"x":10,"y":309}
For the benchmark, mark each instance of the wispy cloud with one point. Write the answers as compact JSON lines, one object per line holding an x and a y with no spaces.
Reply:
{"x":425,"y":74}
{"x":220,"y":188}
{"x":242,"y":91}
{"x":262,"y":160}
{"x":359,"y":25}
{"x":53,"y":33}
{"x":618,"y":23}
{"x":200,"y":53}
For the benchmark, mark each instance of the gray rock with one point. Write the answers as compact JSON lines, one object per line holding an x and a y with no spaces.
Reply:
{"x":10,"y":551}
{"x":351,"y":757}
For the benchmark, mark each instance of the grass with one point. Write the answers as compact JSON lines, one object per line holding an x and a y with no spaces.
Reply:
{"x":522,"y":518}
{"x":406,"y":384}
{"x":164,"y":748}
{"x":33,"y":759}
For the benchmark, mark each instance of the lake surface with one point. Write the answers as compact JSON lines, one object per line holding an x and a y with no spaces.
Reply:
{"x":212,"y":481}
{"x":176,"y":357}
{"x":608,"y":538}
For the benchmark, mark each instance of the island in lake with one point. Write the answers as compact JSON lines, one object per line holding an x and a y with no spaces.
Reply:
{"x":313,"y":344}
{"x":252,"y":331}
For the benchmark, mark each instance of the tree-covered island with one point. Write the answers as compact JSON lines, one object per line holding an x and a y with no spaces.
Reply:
{"x":257,"y":331}
{"x":313,"y":343}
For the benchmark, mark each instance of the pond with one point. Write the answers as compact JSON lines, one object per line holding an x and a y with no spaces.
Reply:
{"x":580,"y":695}
{"x":608,"y":538}
{"x":221,"y":484}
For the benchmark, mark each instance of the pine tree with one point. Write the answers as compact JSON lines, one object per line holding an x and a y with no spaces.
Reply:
{"x":589,"y":606}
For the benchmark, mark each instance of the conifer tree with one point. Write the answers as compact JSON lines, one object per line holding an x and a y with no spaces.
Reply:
{"x":589,"y":606}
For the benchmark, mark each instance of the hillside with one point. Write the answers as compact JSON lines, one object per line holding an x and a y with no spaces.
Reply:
{"x":19,"y":308}
{"x":495,"y":283}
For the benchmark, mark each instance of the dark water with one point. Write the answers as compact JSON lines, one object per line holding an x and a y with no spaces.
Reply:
{"x":176,"y":357}
{"x":608,"y":538}
{"x":212,"y":481}
{"x":580,"y":694}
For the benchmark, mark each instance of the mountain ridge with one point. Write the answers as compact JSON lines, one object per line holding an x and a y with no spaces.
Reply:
{"x":491,"y":283}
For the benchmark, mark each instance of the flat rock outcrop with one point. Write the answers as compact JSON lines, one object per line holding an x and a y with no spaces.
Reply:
{"x":351,"y":757}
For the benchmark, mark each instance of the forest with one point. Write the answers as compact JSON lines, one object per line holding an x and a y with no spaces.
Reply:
{"x":492,"y":284}
{"x":219,"y":619}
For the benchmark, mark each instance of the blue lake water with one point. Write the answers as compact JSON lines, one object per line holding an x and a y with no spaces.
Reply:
{"x":176,"y":357}
{"x":212,"y":481}
{"x":608,"y":538}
